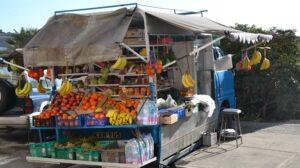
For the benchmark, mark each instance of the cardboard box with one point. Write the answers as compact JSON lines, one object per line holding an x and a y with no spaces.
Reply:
{"x":210,"y":139}
{"x":135,"y":33}
{"x":134,"y":41}
{"x":168,"y":118}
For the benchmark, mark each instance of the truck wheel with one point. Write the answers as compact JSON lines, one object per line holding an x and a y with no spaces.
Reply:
{"x":7,"y":96}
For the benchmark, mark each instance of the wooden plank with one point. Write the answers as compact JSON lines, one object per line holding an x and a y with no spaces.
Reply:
{"x":89,"y":163}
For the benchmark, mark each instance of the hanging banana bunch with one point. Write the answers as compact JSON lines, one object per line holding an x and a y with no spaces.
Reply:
{"x":23,"y":91}
{"x":266,"y":62}
{"x":65,"y":88}
{"x":13,"y":68}
{"x":41,"y":88}
{"x":120,"y":63}
{"x":187,"y":80}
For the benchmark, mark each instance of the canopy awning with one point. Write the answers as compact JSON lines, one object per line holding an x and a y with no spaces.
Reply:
{"x":74,"y":39}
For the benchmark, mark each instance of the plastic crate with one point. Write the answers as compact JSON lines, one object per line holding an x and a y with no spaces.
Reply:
{"x":90,"y":155}
{"x":63,"y":153}
{"x":77,"y":122}
{"x":90,"y":121}
{"x":38,"y":122}
{"x":105,"y":144}
{"x":35,"y":150}
{"x":113,"y":155}
{"x":43,"y":149}
{"x":180,"y":110}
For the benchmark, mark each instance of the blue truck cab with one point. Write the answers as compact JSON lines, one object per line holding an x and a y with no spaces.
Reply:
{"x":223,"y":84}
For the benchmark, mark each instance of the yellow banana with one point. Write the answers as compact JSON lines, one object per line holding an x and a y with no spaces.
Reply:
{"x":190,"y":80}
{"x":62,"y":89}
{"x":25,"y":91}
{"x":41,"y":88}
{"x":69,"y":88}
{"x":124,"y":63}
{"x":183,"y":80}
{"x":117,"y":64}
{"x":14,"y":68}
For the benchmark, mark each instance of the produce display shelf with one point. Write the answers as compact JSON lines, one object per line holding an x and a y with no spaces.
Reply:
{"x":138,"y":85}
{"x":73,"y":74}
{"x":43,"y":128}
{"x":117,"y":74}
{"x":159,"y":89}
{"x":98,"y":74}
{"x":151,"y":45}
{"x":133,"y":97}
{"x":132,"y":126}
{"x":103,"y":85}
{"x":88,"y":163}
{"x":129,"y":58}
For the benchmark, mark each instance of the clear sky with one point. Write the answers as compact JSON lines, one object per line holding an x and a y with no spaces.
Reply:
{"x":263,"y":13}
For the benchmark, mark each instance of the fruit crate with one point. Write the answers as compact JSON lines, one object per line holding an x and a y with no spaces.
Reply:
{"x":43,"y":149}
{"x":63,"y":153}
{"x":113,"y":155}
{"x":77,"y":122}
{"x":39,"y":122}
{"x":90,"y":155}
{"x":35,"y":149}
{"x":91,"y":121}
{"x":180,"y":110}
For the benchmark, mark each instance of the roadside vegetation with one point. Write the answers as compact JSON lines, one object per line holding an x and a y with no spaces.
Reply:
{"x":272,"y":94}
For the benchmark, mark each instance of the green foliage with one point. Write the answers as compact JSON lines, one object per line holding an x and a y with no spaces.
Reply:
{"x":21,"y":38}
{"x":272,"y":94}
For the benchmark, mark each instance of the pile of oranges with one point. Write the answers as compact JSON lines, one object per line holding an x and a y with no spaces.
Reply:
{"x":125,"y":106}
{"x":89,"y":102}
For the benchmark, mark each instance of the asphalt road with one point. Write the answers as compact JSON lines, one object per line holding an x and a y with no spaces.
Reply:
{"x":265,"y":145}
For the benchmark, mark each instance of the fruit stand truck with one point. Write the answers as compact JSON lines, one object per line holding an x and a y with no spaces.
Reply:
{"x":184,"y":43}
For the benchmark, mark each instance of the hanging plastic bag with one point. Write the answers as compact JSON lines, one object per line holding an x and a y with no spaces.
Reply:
{"x":148,"y":113}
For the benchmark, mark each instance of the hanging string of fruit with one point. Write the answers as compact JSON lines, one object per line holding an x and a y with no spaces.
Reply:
{"x":153,"y":66}
{"x":246,"y":64}
{"x":266,"y":62}
{"x":186,"y":78}
{"x":256,"y":57}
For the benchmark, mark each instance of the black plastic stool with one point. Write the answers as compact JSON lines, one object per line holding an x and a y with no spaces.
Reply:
{"x":238,"y":130}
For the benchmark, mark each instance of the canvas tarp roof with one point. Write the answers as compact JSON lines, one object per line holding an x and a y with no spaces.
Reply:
{"x":73,"y":39}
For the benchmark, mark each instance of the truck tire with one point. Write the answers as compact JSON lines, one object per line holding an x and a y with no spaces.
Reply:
{"x":7,"y":96}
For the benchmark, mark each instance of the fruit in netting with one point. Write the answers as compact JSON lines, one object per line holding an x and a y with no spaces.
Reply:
{"x":158,"y":66}
{"x":149,"y":70}
{"x":256,"y":58}
{"x":239,"y":65}
{"x":33,"y":74}
{"x":265,"y":64}
{"x":246,"y":63}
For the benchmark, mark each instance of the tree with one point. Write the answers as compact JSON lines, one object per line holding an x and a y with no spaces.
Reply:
{"x":273,"y":94}
{"x":21,"y":38}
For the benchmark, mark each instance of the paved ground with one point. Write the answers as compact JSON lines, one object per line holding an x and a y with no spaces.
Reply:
{"x":266,"y":145}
